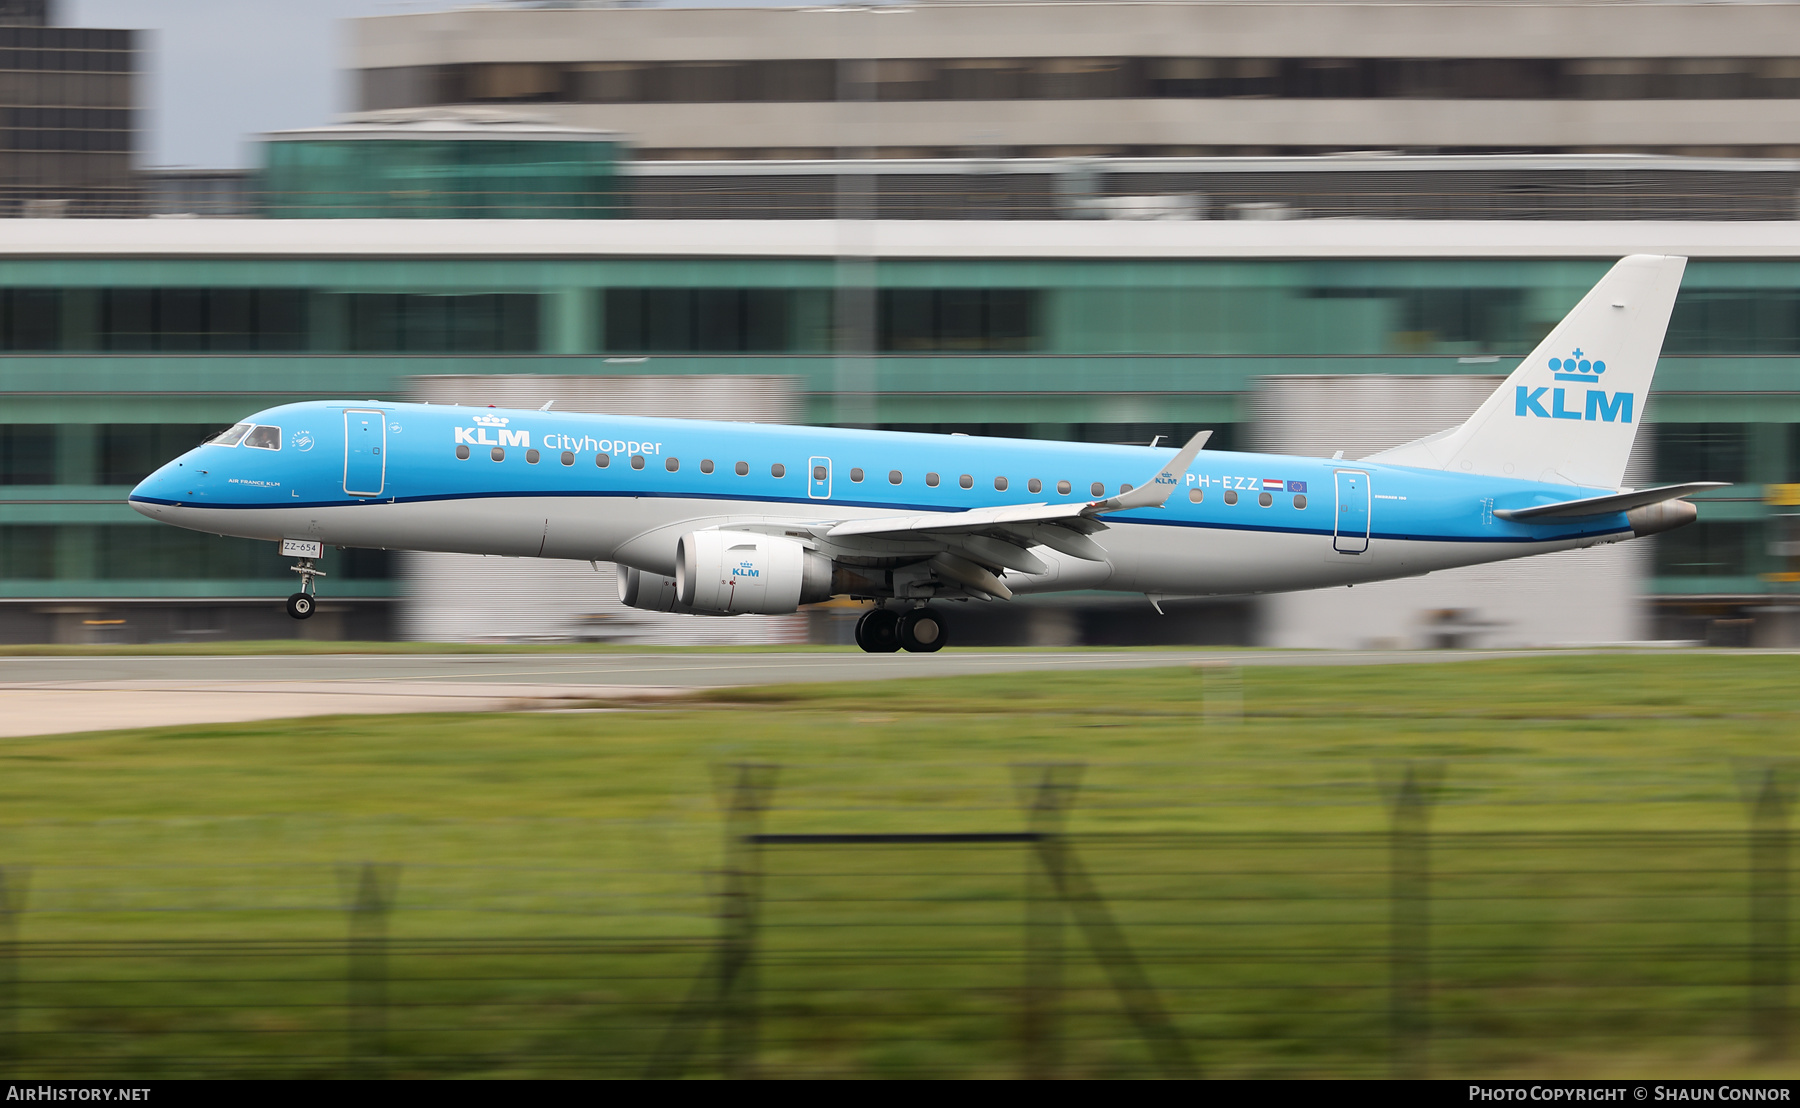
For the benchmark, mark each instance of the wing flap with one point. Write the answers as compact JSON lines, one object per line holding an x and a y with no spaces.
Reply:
{"x":976,"y":519}
{"x":1604,"y":505}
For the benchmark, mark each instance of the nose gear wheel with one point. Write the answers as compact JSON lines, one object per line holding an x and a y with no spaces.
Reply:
{"x":301,"y":604}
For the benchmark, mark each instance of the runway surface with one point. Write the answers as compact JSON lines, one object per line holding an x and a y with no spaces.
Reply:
{"x":52,"y":695}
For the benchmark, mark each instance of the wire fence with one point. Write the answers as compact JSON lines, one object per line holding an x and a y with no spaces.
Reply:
{"x":1025,"y":950}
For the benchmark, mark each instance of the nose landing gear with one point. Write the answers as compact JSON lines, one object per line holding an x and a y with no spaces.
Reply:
{"x":300,"y":605}
{"x":917,"y":631}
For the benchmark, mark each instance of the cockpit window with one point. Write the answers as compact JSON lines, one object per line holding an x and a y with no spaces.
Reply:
{"x":264,"y":438}
{"x":229,"y":437}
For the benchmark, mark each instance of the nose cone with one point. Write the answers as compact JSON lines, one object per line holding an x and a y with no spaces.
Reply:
{"x":161,"y":490}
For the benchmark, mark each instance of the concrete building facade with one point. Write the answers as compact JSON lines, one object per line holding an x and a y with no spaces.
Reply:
{"x":1116,"y":78}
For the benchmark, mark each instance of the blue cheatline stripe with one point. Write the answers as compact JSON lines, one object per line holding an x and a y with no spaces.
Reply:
{"x":1115,"y":520}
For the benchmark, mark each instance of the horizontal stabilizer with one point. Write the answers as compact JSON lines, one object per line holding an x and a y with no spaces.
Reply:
{"x":1604,"y":505}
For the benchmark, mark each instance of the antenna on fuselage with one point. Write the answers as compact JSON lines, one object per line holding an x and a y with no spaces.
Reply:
{"x":546,"y":406}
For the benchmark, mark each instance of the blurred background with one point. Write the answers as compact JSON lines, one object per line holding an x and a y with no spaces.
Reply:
{"x":1310,"y":227}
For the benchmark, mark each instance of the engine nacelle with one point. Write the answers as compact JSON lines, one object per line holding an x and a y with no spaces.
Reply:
{"x":740,"y":571}
{"x":653,"y":592}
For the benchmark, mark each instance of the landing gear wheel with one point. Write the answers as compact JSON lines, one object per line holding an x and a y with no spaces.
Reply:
{"x":922,"y":631}
{"x":300,"y":605}
{"x":878,"y":631}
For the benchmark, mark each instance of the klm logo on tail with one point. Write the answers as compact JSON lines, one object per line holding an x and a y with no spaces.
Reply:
{"x":1598,"y":406}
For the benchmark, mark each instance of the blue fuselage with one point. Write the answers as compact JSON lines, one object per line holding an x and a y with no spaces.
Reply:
{"x":602,"y":487}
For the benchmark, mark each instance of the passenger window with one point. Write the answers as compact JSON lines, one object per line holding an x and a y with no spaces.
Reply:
{"x":777,"y":470}
{"x":966,"y":481}
{"x":498,"y":453}
{"x":856,"y":476}
{"x":931,"y":479}
{"x":1265,"y":500}
{"x":743,"y":468}
{"x":893,"y":477}
{"x":999,"y":484}
{"x":568,"y":457}
{"x":818,"y":473}
{"x":637,"y":461}
{"x":264,"y":438}
{"x":672,"y":465}
{"x":1123,"y":489}
{"x":603,"y":460}
{"x":462,"y":453}
{"x":1195,"y":496}
{"x":229,"y":436}
{"x":706,"y":465}
{"x":531,"y":457}
{"x":1034,"y":485}
{"x":1300,"y":500}
{"x":1097,"y":489}
{"x":1231,"y":496}
{"x":1063,"y":488}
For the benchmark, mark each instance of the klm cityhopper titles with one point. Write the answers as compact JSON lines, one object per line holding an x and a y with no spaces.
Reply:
{"x":730,"y":518}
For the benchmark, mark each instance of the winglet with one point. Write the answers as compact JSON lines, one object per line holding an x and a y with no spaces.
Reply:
{"x":1154,"y":492}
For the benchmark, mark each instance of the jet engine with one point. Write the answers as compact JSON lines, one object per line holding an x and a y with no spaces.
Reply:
{"x":739,"y":571}
{"x":650,"y":591}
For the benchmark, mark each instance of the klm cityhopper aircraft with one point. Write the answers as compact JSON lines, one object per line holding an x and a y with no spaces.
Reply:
{"x":729,"y":518}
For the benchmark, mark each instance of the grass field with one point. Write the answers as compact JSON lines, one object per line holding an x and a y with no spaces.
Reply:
{"x":556,"y":875}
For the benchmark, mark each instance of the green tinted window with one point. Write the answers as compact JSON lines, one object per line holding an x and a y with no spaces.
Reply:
{"x":1708,"y":549}
{"x":27,"y":454}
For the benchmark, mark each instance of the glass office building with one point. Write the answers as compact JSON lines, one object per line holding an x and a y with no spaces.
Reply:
{"x":441,"y":165}
{"x":122,"y":350}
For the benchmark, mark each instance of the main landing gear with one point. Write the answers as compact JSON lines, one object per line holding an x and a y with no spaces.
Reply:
{"x":301,"y":604}
{"x":918,"y":631}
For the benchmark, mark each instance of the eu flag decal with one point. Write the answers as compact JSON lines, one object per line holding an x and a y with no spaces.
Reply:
{"x":1296,"y":486}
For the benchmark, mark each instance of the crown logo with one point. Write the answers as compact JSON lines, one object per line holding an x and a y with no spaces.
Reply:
{"x":1577,"y":367}
{"x":491,"y":420}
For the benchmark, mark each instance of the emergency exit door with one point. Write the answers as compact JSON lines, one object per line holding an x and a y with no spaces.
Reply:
{"x":1351,"y":535}
{"x":365,"y":452}
{"x":818,"y":478}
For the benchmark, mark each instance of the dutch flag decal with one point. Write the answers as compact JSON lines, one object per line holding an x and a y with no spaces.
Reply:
{"x":1273,"y":484}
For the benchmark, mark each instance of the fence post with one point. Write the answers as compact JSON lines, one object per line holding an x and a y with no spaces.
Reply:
{"x":740,"y":904}
{"x":1769,"y":913}
{"x":1221,"y":694}
{"x":1047,"y":801}
{"x":371,"y":888}
{"x":14,"y":880}
{"x":1409,"y":933}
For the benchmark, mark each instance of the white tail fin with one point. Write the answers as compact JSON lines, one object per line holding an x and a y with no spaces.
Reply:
{"x":1569,"y":414}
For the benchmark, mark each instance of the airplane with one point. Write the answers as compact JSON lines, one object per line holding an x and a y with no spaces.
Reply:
{"x":721,"y":518}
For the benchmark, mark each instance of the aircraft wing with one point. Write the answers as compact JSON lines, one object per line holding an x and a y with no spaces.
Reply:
{"x":971,"y":545}
{"x":1077,"y":517}
{"x":1029,"y":524}
{"x":1604,"y":505}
